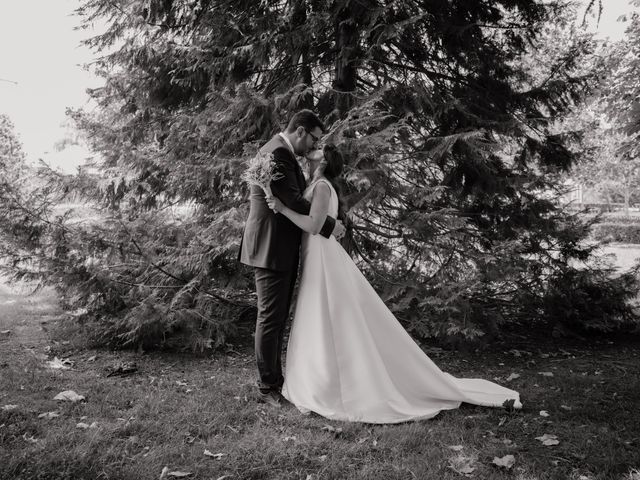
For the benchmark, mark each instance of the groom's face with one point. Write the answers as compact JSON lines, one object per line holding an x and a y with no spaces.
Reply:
{"x":307,"y":139}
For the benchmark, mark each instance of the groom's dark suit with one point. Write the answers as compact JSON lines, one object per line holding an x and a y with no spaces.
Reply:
{"x":271,"y":244}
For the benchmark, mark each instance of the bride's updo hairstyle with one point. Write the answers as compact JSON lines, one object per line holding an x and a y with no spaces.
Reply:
{"x":335,"y":162}
{"x":332,"y":171}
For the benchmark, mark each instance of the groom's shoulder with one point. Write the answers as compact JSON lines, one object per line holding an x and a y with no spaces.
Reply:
{"x":277,"y":146}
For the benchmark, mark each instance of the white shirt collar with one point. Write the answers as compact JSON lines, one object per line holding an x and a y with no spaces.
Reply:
{"x":286,"y":140}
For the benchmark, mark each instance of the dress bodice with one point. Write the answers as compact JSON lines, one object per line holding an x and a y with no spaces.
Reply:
{"x":333,"y":203}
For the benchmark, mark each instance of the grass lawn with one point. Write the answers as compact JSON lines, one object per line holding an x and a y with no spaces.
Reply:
{"x":179,"y":413}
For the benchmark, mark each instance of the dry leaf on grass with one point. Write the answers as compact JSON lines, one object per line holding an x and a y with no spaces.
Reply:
{"x":179,"y":474}
{"x":463,"y":464}
{"x":544,"y":413}
{"x":548,"y":440}
{"x":84,"y":425}
{"x":513,"y":376}
{"x":69,"y":396}
{"x":6,"y":408}
{"x":546,"y":374}
{"x":332,"y":429}
{"x":217,"y":456}
{"x":49,"y":415}
{"x":5,"y":332}
{"x":58,"y":364}
{"x":508,"y":461}
{"x":456,"y":448}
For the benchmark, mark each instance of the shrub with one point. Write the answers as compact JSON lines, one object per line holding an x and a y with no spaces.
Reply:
{"x":616,"y":218}
{"x":617,"y":232}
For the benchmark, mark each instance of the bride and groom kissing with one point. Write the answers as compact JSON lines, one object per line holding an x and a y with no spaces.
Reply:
{"x":348,"y":358}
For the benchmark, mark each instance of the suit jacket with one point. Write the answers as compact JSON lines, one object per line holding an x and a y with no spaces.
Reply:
{"x":271,"y":240}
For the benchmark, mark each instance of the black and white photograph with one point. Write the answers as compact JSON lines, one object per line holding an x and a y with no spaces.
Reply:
{"x":320,"y":239}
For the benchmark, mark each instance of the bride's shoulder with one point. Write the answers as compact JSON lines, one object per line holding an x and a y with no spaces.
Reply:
{"x":323,"y":184}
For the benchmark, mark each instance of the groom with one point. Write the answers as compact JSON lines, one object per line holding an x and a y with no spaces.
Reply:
{"x":271,"y":243}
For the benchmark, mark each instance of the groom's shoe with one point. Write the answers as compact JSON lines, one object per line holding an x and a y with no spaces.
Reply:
{"x":271,"y":398}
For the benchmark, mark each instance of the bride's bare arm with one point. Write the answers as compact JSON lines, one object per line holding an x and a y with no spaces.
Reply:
{"x":313,"y":222}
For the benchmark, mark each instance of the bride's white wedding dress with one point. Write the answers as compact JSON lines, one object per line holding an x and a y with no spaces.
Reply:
{"x":349,"y":358}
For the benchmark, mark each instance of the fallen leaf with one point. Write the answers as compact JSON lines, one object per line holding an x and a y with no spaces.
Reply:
{"x":546,"y":374}
{"x":565,"y":407}
{"x":548,"y":440}
{"x":322,"y":458}
{"x":456,"y":448}
{"x":292,"y":438}
{"x":6,"y":408}
{"x":544,"y":413}
{"x":69,"y":395}
{"x":121,"y":369}
{"x":513,"y":376}
{"x":179,"y":474}
{"x":463,"y":464}
{"x":58,"y":364}
{"x":217,"y":456}
{"x":181,"y":384}
{"x":163,"y":475}
{"x":49,"y":415}
{"x":5,"y":332}
{"x":507,"y":461}
{"x":82,"y":425}
{"x":223,"y":477}
{"x":92,"y":358}
{"x":332,"y":429}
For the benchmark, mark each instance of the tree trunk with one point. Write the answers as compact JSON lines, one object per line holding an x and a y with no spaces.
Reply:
{"x":301,"y":61}
{"x":627,"y":194}
{"x":347,"y":36}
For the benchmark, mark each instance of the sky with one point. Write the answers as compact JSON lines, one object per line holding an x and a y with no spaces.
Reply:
{"x":41,"y":52}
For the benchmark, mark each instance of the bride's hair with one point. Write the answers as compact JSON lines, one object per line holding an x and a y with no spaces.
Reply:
{"x":333,"y":169}
{"x":335,"y":162}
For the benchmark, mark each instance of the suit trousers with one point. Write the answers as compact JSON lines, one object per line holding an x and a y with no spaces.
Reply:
{"x":275,"y":290}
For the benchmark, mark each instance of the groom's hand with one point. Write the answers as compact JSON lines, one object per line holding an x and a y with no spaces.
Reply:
{"x":338,"y":230}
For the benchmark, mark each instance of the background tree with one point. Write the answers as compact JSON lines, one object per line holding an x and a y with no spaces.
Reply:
{"x":449,"y":189}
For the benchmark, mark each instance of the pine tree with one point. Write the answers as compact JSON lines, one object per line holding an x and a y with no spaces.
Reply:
{"x":452,"y":158}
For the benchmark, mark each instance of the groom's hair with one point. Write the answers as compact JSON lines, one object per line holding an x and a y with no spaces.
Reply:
{"x":305,"y":119}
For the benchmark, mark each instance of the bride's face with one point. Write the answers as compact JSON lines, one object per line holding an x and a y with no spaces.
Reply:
{"x":315,"y":159}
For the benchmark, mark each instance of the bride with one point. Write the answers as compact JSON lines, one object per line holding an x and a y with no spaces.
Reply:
{"x":348,"y":358}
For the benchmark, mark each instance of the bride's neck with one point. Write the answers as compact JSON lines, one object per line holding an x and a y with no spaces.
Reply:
{"x":317,"y":176}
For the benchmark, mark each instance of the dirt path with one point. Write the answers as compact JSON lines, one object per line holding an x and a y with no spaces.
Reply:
{"x":23,"y":322}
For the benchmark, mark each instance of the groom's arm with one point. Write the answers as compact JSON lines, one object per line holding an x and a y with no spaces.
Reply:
{"x":287,"y":190}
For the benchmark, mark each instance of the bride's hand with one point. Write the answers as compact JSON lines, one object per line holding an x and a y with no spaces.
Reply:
{"x":275,"y":204}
